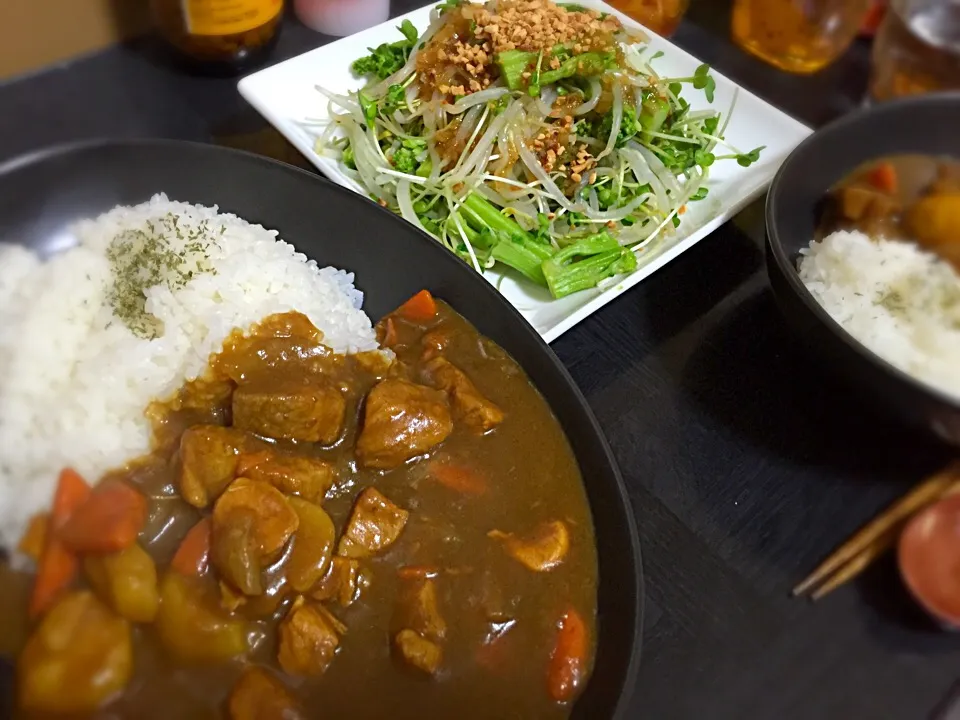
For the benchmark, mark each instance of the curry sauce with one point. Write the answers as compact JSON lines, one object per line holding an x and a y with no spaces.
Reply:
{"x":392,"y":534}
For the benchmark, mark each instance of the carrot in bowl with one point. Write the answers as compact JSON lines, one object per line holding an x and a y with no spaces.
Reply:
{"x":884,"y":178}
{"x":568,"y":664}
{"x":193,"y":554}
{"x":457,"y":477}
{"x":58,"y":565}
{"x":109,"y":519}
{"x":421,"y":306}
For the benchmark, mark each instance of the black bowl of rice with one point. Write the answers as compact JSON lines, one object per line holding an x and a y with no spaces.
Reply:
{"x":907,"y":357}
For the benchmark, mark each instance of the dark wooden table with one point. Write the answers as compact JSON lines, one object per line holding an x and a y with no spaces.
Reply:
{"x":746,"y":463}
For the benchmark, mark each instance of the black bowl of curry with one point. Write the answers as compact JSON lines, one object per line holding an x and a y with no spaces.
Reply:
{"x":890,"y":176}
{"x":439,"y":530}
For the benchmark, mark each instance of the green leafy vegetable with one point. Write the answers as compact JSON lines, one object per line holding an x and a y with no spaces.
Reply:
{"x":395,"y":99}
{"x":347,"y":157}
{"x":513,"y":64}
{"x":368,"y":106}
{"x":747,"y":159}
{"x":584,"y":65}
{"x":405,"y":157}
{"x":448,"y":5}
{"x":628,"y":126}
{"x":703,"y":81}
{"x":585,"y":263}
{"x":384,"y":60}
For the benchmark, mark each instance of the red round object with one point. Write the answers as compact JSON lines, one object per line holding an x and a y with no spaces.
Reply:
{"x":929,"y":559}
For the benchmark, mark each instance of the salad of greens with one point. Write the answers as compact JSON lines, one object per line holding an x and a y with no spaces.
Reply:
{"x":529,"y":134}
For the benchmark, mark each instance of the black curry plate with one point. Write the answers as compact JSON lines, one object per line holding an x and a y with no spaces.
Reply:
{"x":42,"y":194}
{"x":925,"y":125}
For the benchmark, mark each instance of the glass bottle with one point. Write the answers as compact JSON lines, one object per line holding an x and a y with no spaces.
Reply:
{"x":219,"y":36}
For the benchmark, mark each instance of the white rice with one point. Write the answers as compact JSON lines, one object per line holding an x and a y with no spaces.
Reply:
{"x":74,"y":381}
{"x":900,"y":301}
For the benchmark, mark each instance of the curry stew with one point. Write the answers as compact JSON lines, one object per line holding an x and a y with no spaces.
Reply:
{"x":399,"y":535}
{"x":906,"y":197}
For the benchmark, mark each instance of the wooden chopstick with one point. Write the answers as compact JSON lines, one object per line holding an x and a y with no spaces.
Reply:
{"x":853,"y":557}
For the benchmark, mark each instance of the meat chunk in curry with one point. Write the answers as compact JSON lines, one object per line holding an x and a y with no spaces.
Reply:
{"x":342,"y":582}
{"x":417,"y":651}
{"x":308,"y":640}
{"x":309,"y":411}
{"x":541,"y":550}
{"x":418,"y":608}
{"x":208,"y":462}
{"x":302,"y":475}
{"x":401,"y":420}
{"x":476,"y":412}
{"x":374,"y":525}
{"x":259,"y":695}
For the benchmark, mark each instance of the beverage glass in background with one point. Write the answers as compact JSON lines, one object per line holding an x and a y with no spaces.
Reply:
{"x":799,"y":36}
{"x":916,"y":49}
{"x":661,"y":16}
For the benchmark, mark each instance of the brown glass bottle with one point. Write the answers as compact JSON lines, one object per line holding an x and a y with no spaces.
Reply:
{"x":219,"y":36}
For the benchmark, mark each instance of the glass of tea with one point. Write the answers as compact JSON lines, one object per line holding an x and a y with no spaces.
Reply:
{"x":799,"y":36}
{"x":660,"y":16}
{"x":917,"y":49}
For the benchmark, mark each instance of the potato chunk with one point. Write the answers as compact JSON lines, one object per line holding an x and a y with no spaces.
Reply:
{"x":127,"y":581}
{"x":191,"y":624}
{"x":252,"y":521}
{"x":312,"y":547}
{"x":79,"y":657}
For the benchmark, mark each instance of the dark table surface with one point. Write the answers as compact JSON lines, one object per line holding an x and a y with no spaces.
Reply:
{"x":745,"y":462}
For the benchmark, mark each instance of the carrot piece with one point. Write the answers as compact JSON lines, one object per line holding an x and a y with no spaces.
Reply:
{"x":417,"y":572}
{"x":884,"y":177}
{"x":492,"y":654}
{"x":108,"y":521}
{"x":33,"y":540}
{"x":421,"y":306}
{"x":568,"y":663}
{"x":193,"y":555}
{"x":457,"y":477}
{"x":681,"y":210}
{"x":58,"y":566}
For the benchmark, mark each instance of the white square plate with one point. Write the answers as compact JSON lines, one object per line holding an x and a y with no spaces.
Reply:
{"x":285,"y":95}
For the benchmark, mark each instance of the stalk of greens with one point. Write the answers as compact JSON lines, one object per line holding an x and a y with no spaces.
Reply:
{"x":496,"y":203}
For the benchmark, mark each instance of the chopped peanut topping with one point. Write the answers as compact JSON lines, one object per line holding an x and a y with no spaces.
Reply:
{"x":535,"y":25}
{"x":460,"y":58}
